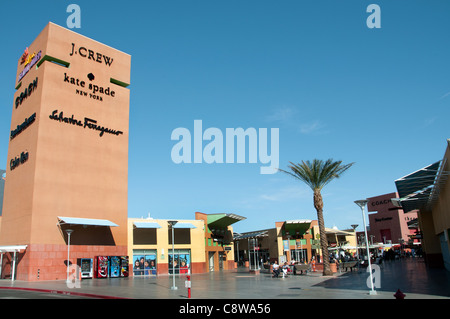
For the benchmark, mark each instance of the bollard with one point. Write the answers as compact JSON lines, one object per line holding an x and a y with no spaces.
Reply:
{"x":187,"y":284}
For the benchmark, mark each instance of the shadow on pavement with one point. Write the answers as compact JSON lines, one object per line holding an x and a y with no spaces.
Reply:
{"x":410,"y":275}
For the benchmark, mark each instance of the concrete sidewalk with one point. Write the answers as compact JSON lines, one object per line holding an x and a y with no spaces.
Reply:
{"x":409,"y":275}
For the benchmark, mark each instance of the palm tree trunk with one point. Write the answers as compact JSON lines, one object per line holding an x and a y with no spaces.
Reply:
{"x":318,"y":205}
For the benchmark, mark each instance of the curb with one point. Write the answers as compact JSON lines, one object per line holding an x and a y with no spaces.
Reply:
{"x":62,"y":292}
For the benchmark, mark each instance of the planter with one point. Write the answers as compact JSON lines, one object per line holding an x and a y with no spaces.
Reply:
{"x":333,"y":267}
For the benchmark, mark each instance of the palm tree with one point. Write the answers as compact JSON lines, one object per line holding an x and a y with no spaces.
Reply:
{"x":316,"y":175}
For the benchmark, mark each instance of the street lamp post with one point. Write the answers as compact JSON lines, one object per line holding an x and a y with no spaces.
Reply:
{"x":362,"y":203}
{"x":69,"y":232}
{"x":171,"y":224}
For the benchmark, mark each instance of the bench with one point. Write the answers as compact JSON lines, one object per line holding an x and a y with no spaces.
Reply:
{"x":348,"y":264}
{"x":300,"y":268}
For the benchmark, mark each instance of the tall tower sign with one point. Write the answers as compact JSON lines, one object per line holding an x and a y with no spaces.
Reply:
{"x":67,"y":163}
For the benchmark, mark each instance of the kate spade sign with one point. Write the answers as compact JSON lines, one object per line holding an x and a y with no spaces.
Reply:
{"x":88,"y":123}
{"x":89,"y":89}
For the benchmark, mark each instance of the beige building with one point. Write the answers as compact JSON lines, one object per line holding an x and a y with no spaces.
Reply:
{"x":428,"y":190}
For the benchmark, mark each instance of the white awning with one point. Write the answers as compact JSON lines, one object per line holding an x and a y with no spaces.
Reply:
{"x":86,"y":221}
{"x":12,"y":249}
{"x":184,"y":225}
{"x":146,"y":225}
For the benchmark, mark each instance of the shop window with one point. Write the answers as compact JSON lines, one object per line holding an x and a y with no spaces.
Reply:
{"x":144,"y":262}
{"x":182,"y":261}
{"x":181,"y":236}
{"x":144,"y":236}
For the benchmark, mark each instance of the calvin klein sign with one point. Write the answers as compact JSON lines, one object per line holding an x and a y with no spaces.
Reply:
{"x":18,"y":160}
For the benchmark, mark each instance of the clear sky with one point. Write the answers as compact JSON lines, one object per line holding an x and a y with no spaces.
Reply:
{"x":313,"y":69}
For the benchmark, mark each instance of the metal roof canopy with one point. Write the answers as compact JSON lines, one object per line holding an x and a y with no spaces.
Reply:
{"x":421,"y":187}
{"x":255,"y":234}
{"x":86,"y":221}
{"x":221,"y":221}
{"x":146,"y":225}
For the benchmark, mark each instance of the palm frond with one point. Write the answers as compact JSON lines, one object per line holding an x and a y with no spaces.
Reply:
{"x":318,"y":173}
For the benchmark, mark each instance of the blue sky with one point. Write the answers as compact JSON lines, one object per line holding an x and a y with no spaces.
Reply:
{"x":334,"y":88}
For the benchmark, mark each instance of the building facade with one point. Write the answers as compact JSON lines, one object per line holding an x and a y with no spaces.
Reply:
{"x":201,"y":245}
{"x":292,"y":240}
{"x":67,"y":156}
{"x":389,"y":223}
{"x":428,"y":191}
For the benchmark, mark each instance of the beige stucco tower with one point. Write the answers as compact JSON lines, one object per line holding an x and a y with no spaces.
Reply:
{"x":67,"y":163}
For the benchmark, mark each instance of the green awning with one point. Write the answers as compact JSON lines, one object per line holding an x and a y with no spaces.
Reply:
{"x":222,"y":221}
{"x":296,"y":227}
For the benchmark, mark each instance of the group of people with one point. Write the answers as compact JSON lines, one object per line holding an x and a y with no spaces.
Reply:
{"x":285,"y":268}
{"x":183,"y":268}
{"x":144,"y":267}
{"x":276,"y":269}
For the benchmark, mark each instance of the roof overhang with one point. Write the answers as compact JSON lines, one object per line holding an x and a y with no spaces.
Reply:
{"x":85,"y":221}
{"x":420,"y":189}
{"x":255,"y":234}
{"x":296,"y":227}
{"x":12,"y":249}
{"x":222,"y":221}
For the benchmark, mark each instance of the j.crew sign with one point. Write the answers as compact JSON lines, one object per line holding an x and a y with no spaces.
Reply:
{"x":91,"y":55}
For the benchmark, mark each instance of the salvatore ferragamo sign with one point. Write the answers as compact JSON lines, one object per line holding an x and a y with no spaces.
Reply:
{"x":85,"y":123}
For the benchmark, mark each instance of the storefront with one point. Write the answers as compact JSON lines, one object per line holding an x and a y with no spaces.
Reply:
{"x":428,"y":191}
{"x":293,"y":240}
{"x":195,"y":248}
{"x":389,"y":223}
{"x":218,"y":237}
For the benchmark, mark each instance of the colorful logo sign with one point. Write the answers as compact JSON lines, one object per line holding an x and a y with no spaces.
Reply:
{"x":29,"y":63}
{"x":24,"y":56}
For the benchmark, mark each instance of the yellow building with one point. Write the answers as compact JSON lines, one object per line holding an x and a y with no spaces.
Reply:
{"x":200,"y":245}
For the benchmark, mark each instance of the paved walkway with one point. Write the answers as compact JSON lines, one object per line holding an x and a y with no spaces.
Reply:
{"x":409,"y":275}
